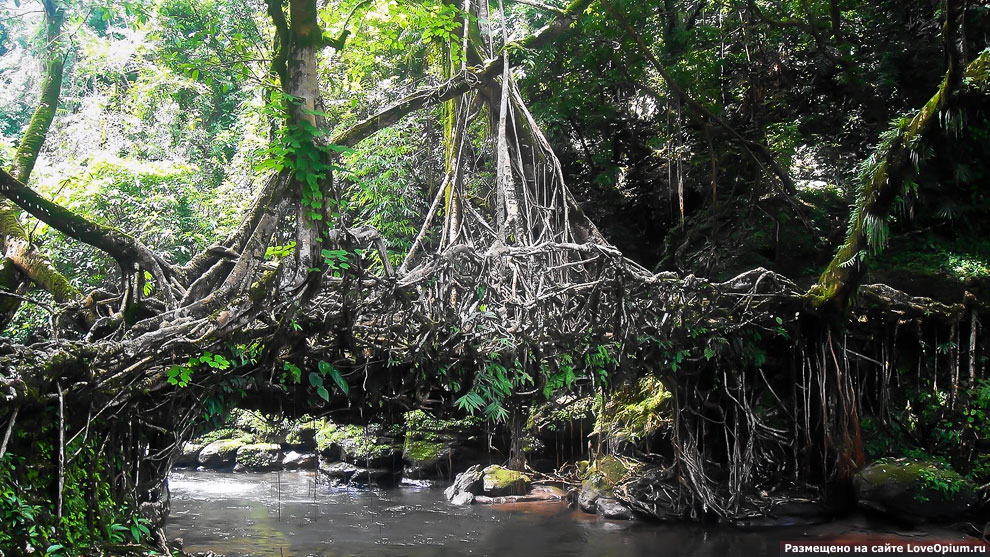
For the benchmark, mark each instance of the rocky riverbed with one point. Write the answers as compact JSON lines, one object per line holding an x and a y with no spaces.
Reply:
{"x":422,"y":450}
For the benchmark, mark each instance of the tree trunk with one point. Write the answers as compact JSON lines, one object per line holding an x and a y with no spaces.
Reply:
{"x":18,"y":251}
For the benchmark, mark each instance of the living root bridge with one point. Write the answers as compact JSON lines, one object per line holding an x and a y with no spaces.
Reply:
{"x":765,"y":396}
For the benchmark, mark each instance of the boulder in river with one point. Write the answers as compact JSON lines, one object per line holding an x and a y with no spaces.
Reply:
{"x":589,"y":495}
{"x":468,"y":481}
{"x":913,"y":490}
{"x":613,"y":509}
{"x":463,"y":498}
{"x":188,"y":454}
{"x":299,"y":461}
{"x":599,"y":480}
{"x":360,"y":445}
{"x":432,"y":446}
{"x":498,"y":481}
{"x":220,"y":454}
{"x":338,"y":471}
{"x":261,"y":457}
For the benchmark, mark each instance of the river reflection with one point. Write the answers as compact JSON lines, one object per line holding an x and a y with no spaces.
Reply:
{"x":289,"y":514}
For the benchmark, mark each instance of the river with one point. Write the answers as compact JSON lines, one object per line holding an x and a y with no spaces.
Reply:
{"x":288,"y":514}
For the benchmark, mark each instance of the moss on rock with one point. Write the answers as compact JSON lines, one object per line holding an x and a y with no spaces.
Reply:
{"x":304,"y":433}
{"x":422,"y":452}
{"x":259,"y":457}
{"x":913,"y":489}
{"x":498,"y":481}
{"x":634,"y":413}
{"x":357,"y":444}
{"x":221,"y":453}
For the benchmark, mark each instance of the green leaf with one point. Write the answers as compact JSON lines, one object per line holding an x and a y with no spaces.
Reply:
{"x":293,"y":373}
{"x":315,"y":379}
{"x":334,"y":374}
{"x":324,"y":394}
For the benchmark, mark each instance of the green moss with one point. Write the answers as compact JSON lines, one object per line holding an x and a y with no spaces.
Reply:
{"x":635,"y":412}
{"x":260,"y":288}
{"x":497,"y":479}
{"x":356,"y":442}
{"x":964,"y":259}
{"x":263,"y":428}
{"x":933,"y":480}
{"x":262,"y":455}
{"x":612,"y":469}
{"x":304,"y":431}
{"x":226,"y":449}
{"x":326,"y":436}
{"x":422,"y":451}
{"x":223,"y":433}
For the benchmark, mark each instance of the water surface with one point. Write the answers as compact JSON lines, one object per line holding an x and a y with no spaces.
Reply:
{"x":289,"y":514}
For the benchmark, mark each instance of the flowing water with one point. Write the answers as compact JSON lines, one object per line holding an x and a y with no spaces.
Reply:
{"x":287,"y":514}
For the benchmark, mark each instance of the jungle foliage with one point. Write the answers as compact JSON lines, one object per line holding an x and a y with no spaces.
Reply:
{"x":768,"y":215}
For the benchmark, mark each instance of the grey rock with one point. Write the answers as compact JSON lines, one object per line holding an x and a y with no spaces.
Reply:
{"x":219,"y":454}
{"x":468,"y":481}
{"x":338,"y":470}
{"x":588,"y":497}
{"x":299,"y":461}
{"x":463,"y":498}
{"x":613,"y":509}
{"x":188,"y":454}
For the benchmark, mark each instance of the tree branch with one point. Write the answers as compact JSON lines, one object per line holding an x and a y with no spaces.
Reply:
{"x":126,"y":250}
{"x":462,"y":82}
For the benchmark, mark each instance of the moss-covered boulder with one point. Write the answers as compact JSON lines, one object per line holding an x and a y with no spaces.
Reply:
{"x":360,"y":445}
{"x":220,"y":454}
{"x":425,"y":458}
{"x":302,"y":435}
{"x":188,"y":454}
{"x":497,"y":481}
{"x":432,"y":445}
{"x":261,"y":457}
{"x":600,"y":478}
{"x":913,"y":490}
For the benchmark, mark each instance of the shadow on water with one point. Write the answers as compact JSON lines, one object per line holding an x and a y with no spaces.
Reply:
{"x":288,"y":514}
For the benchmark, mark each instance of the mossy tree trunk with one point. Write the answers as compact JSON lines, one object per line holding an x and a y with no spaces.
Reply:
{"x":18,"y":252}
{"x":886,"y":175}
